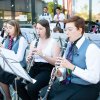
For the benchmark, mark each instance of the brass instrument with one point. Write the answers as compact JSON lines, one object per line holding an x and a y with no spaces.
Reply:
{"x":53,"y":73}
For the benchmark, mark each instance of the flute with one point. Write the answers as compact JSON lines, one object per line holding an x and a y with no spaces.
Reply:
{"x":53,"y":73}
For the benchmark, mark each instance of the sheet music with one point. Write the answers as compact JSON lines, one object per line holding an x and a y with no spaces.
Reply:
{"x":12,"y":66}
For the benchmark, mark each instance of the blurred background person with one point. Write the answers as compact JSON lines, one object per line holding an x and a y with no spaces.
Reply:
{"x":46,"y":15}
{"x":57,"y":30}
{"x":4,"y":32}
{"x":59,"y":18}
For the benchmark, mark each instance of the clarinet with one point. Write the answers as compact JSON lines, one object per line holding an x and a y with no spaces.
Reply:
{"x":32,"y":59}
{"x":53,"y":73}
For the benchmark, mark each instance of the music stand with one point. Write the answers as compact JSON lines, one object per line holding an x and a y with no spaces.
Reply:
{"x":8,"y":63}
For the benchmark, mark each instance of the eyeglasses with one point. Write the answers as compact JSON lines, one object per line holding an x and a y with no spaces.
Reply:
{"x":70,"y":29}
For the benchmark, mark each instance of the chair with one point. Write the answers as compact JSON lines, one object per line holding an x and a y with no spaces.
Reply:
{"x":94,"y":37}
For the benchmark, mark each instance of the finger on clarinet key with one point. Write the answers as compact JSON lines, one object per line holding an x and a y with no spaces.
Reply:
{"x":28,"y":58}
{"x":59,"y":74}
{"x":57,"y":64}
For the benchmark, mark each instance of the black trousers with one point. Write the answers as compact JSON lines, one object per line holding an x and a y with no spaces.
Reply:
{"x":71,"y":91}
{"x":6,"y":77}
{"x":41,"y":72}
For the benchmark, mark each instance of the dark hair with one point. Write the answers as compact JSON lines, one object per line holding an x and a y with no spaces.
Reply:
{"x":58,"y":8}
{"x":45,"y":24}
{"x":78,"y":21}
{"x":97,"y":20}
{"x":15,"y":24}
{"x":57,"y":29}
{"x":45,"y":7}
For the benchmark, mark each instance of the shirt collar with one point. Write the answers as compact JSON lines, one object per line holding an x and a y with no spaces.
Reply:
{"x":80,"y":42}
{"x":15,"y":38}
{"x":45,"y":14}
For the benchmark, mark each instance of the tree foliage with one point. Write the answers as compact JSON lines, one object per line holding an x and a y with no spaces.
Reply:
{"x":51,"y":7}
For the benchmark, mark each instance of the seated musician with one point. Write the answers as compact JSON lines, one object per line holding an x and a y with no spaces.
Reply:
{"x":17,"y":43}
{"x":44,"y":60}
{"x":82,"y":63}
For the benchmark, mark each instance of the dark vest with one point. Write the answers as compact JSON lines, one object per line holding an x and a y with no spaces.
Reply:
{"x":15,"y":49}
{"x":47,"y":14}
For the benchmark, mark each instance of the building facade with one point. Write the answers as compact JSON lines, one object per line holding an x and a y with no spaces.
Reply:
{"x":25,"y":11}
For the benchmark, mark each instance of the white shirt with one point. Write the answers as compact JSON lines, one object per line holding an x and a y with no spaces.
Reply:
{"x":61,"y":17}
{"x":92,"y":73}
{"x":46,"y":16}
{"x":21,"y":49}
{"x":46,"y":51}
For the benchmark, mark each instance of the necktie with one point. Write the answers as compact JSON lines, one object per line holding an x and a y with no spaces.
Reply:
{"x":10,"y":43}
{"x":68,"y":56}
{"x":70,"y":52}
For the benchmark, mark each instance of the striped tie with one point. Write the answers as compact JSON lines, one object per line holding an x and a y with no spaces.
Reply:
{"x":10,"y":43}
{"x":70,"y":52}
{"x":69,"y":55}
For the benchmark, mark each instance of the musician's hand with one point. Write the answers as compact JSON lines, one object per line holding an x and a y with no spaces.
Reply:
{"x":59,"y":73}
{"x":62,"y":62}
{"x":29,"y":56}
{"x":37,"y":51}
{"x":57,"y":20}
{"x":34,"y":51}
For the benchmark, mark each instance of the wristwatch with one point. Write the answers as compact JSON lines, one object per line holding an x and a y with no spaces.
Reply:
{"x":74,"y":68}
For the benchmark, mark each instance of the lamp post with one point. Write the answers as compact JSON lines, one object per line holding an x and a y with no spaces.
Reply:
{"x":55,"y":5}
{"x":90,"y":10}
{"x":63,"y":6}
{"x":90,"y":13}
{"x":12,"y":9}
{"x":33,"y":10}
